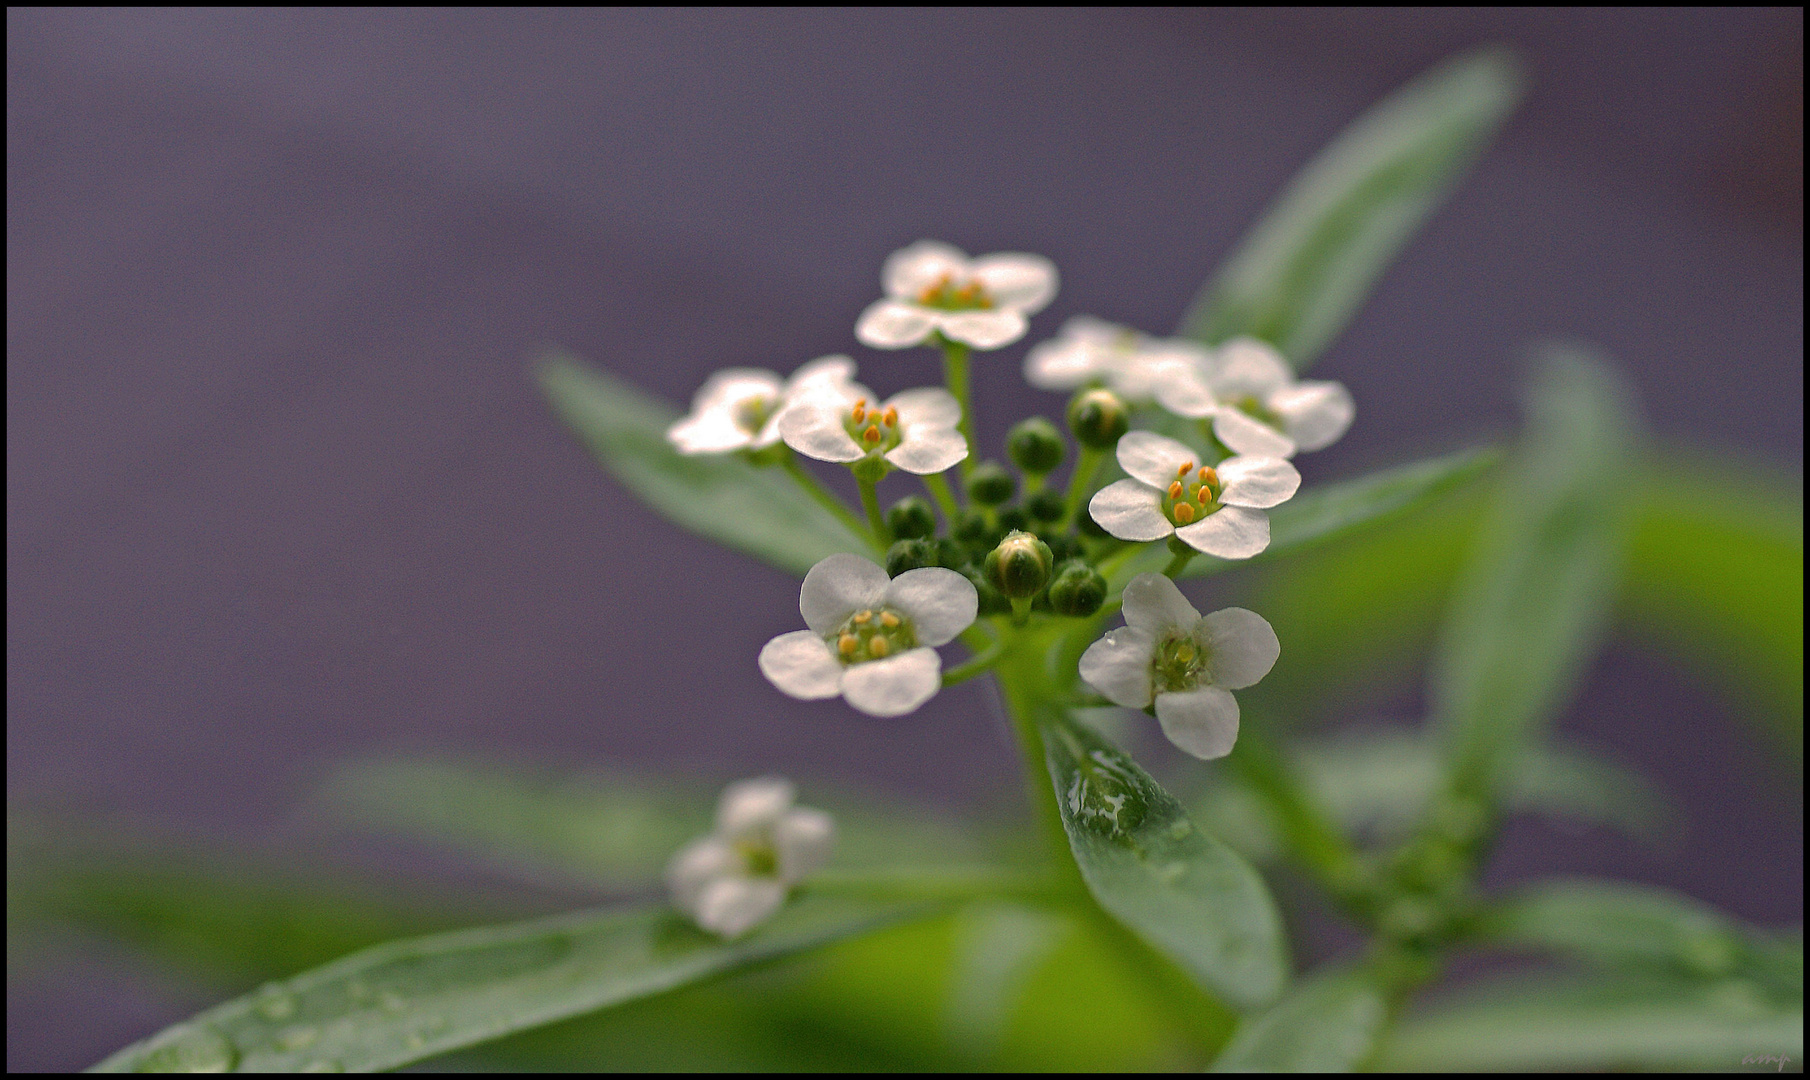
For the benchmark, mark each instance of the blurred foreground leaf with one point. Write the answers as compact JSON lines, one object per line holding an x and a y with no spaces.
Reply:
{"x":1303,"y":270}
{"x":1177,"y":887}
{"x":719,"y":496}
{"x":1327,"y":1023}
{"x":404,"y":1001}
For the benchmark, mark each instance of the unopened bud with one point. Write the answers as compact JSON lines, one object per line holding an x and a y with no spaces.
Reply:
{"x":1098,"y":418}
{"x":970,"y":526}
{"x":1012,"y":519}
{"x":990,"y":484}
{"x":1020,"y":566}
{"x":909,"y":555}
{"x":1046,"y":506}
{"x":1064,"y":546}
{"x":1077,"y":591}
{"x":1035,"y":446}
{"x":911,"y":518}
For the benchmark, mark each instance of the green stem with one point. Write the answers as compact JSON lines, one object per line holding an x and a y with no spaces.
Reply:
{"x":827,"y":499}
{"x":871,"y":504}
{"x":955,"y":375}
{"x":945,"y":499}
{"x":1178,"y":563}
{"x":1085,"y":467}
{"x":1026,"y":688}
{"x":976,"y":666}
{"x":1307,"y":831}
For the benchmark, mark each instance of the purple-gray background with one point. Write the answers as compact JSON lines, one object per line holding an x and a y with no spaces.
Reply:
{"x":280,"y":490}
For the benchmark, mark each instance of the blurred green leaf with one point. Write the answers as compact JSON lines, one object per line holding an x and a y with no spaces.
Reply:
{"x":759,"y":511}
{"x":1536,"y":594}
{"x":1625,"y":925}
{"x":1177,"y":887}
{"x":1544,"y":1022}
{"x":1304,"y":269}
{"x":404,"y":1001}
{"x":1327,"y":1023}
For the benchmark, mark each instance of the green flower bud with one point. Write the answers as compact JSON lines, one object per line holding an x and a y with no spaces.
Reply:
{"x":950,"y":555}
{"x":1020,"y":566}
{"x":1077,"y":591}
{"x":1046,"y":506}
{"x":1035,"y":446}
{"x":1088,"y":527}
{"x":909,"y":555}
{"x":1012,"y":519}
{"x":1098,"y":418}
{"x":1064,"y":547}
{"x":992,"y":602}
{"x":911,"y":518}
{"x":990,"y":484}
{"x":971,"y":527}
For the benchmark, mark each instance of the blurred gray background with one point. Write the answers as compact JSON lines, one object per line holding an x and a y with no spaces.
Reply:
{"x":280,"y":490}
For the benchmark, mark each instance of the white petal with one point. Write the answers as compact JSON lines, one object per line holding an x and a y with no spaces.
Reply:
{"x":983,"y":329}
{"x":709,"y":433}
{"x":733,"y":906}
{"x":1130,"y":510}
{"x":800,"y":664}
{"x":825,"y":370}
{"x":1154,"y":605}
{"x":896,"y":685}
{"x":893,"y":324}
{"x":696,"y":865}
{"x":1257,"y":482}
{"x":1137,"y":377}
{"x":1248,"y":435}
{"x":1231,"y":532}
{"x":730,"y":386}
{"x":940,"y":603}
{"x":1202,"y":721}
{"x":1182,"y":390}
{"x":1240,"y":647}
{"x":803,"y":839}
{"x":1247,"y":366}
{"x":931,"y":451}
{"x":1315,"y":413}
{"x":1022,"y":282}
{"x":1154,"y":459}
{"x":752,"y":805}
{"x":1118,"y":666}
{"x":814,"y":429}
{"x":929,"y":406}
{"x":909,"y":271}
{"x":838,"y":587}
{"x":1089,"y":330}
{"x":1061,"y":364}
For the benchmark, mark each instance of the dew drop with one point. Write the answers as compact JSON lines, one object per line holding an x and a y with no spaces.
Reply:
{"x":1180,"y":829}
{"x":358,"y":990}
{"x":297,"y":1038}
{"x":414,"y":1041}
{"x":199,"y":1049}
{"x":392,"y":1001}
{"x":276,"y":1005}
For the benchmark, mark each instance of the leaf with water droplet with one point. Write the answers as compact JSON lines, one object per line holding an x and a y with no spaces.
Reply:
{"x":1176,"y":886}
{"x":187,"y":1048}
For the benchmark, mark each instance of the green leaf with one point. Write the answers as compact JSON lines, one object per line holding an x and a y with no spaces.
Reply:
{"x":1544,"y":1022}
{"x":1536,"y":594}
{"x":1308,"y":264}
{"x":1178,"y":888}
{"x":407,"y":1000}
{"x":1336,"y":511}
{"x":1328,"y":1023}
{"x":1624,"y":925}
{"x":760,"y":511}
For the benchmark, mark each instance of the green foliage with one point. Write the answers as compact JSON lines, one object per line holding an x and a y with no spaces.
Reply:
{"x":1328,"y":1023}
{"x":1177,"y":887}
{"x":721,"y":496}
{"x":1304,"y":269}
{"x":408,"y":1000}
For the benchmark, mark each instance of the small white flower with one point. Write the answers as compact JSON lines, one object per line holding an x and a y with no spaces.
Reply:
{"x":1130,"y":364}
{"x":739,"y":408}
{"x":1257,"y":405}
{"x":915,"y":430}
{"x":763,"y":845}
{"x":933,"y":287}
{"x":872,"y":639}
{"x":1167,"y":654}
{"x":1217,"y":510}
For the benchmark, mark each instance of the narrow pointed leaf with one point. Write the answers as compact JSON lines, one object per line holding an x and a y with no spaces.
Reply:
{"x":1328,"y":1023}
{"x":1535,"y":596}
{"x":1304,"y":269}
{"x":759,"y":511}
{"x":404,"y":1001}
{"x":1173,"y":884}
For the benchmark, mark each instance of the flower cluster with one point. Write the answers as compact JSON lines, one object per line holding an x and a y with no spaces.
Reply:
{"x":763,"y":845}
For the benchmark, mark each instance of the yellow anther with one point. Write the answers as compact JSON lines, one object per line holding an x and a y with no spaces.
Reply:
{"x":888,"y":619}
{"x":928,"y":296}
{"x":859,"y":414}
{"x":1175,"y":490}
{"x":1208,"y":476}
{"x":871,"y":435}
{"x":1184,"y":652}
{"x":878,"y":648}
{"x":1184,"y":513}
{"x":847,"y":644}
{"x":891,"y":419}
{"x":863,"y":615}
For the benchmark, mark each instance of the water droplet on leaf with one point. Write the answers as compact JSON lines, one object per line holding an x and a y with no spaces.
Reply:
{"x":198,"y":1049}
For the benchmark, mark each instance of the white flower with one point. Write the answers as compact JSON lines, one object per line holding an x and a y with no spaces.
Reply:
{"x":871,"y":639}
{"x":1256,"y":403}
{"x":1187,"y":665}
{"x":1218,"y":510}
{"x":915,"y":430}
{"x":1130,"y":364}
{"x":933,"y":287}
{"x":739,"y":408}
{"x":738,"y":875}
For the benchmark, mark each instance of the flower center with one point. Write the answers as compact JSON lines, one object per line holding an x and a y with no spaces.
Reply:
{"x":1177,"y":664}
{"x":872,"y":634}
{"x":946,"y":295}
{"x":1251,"y":407}
{"x":873,"y":431}
{"x":752,"y":412}
{"x":1192,"y":495}
{"x":758,"y":856}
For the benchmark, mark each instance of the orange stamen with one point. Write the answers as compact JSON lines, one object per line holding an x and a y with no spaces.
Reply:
{"x":871,"y":435}
{"x":1184,"y":513}
{"x":891,"y":419}
{"x":1175,"y":490}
